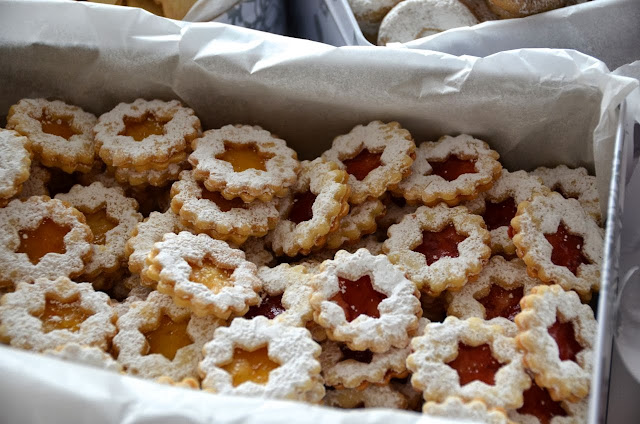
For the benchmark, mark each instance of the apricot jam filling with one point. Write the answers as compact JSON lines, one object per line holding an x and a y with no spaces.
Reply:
{"x":243,"y":157}
{"x":475,"y":363}
{"x":358,"y":297}
{"x":302,"y":208}
{"x":502,"y":302}
{"x":440,"y":244}
{"x":168,"y":337}
{"x":100,"y":223}
{"x":538,"y":402}
{"x":48,"y":237}
{"x":364,"y":356}
{"x":217,"y":198}
{"x":58,"y":315}
{"x":270,"y":307}
{"x":57,"y":125}
{"x":362,"y":164}
{"x":211,"y":276}
{"x":500,"y":214}
{"x":563,"y":334}
{"x":451,"y":168}
{"x":142,"y":127}
{"x":567,"y":249}
{"x":252,"y":366}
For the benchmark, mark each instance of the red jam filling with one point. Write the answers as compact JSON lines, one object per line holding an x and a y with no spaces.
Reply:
{"x":498,"y":215}
{"x":502,"y":303}
{"x":475,"y":363}
{"x":302,"y":209}
{"x":538,"y":403}
{"x":358,"y":297}
{"x":361,"y":165}
{"x":567,"y":249}
{"x":565,"y":337}
{"x":270,"y":307}
{"x":436,"y":245}
{"x":452,"y":168}
{"x":364,"y":356}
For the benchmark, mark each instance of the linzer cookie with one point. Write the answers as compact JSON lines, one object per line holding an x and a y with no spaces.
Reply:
{"x":396,"y":209}
{"x":261,"y":357}
{"x":42,"y":238}
{"x":313,"y":209}
{"x":476,"y":411}
{"x":112,"y":218}
{"x":360,"y":221}
{"x":255,"y":250}
{"x":209,"y":212}
{"x":85,"y":355}
{"x":499,"y":205}
{"x":450,"y":170}
{"x":157,"y":178}
{"x":557,"y":334}
{"x":496,"y":294}
{"x":366,"y":302}
{"x":14,"y":164}
{"x":376,"y":157}
{"x":148,"y":134}
{"x":439,"y":247}
{"x":244,"y":161}
{"x":369,"y":397}
{"x":539,"y":408}
{"x":203,"y":274}
{"x":60,"y":135}
{"x":51,"y":313}
{"x":158,"y":338}
{"x":470,"y":359}
{"x":573,"y":183}
{"x":559,"y":242}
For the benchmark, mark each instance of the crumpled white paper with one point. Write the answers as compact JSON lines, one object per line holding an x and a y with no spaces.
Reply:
{"x":536,"y":107}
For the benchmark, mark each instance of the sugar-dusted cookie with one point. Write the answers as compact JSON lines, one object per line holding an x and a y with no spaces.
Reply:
{"x":15,"y":163}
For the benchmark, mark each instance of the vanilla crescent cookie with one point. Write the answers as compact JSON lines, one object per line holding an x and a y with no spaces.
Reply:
{"x":210,"y":213}
{"x":413,"y":19}
{"x":360,"y":221}
{"x":495,"y":295}
{"x":51,"y":313}
{"x":60,"y":134}
{"x":312,"y":210}
{"x":557,"y":334}
{"x":37,"y":183}
{"x":14,"y":164}
{"x":573,"y":183}
{"x":475,"y":410}
{"x":470,"y":359}
{"x":145,"y":132}
{"x":507,"y":9}
{"x":369,"y":397}
{"x":439,"y":247}
{"x":343,"y":368}
{"x":499,"y":205}
{"x":376,"y":156}
{"x":538,"y":407}
{"x":366,"y":302}
{"x":559,"y":242}
{"x":203,"y":274}
{"x":112,"y":218}
{"x":244,"y":161}
{"x":85,"y":355}
{"x":450,"y":170}
{"x":261,"y":357}
{"x":42,"y":238}
{"x":158,"y":338}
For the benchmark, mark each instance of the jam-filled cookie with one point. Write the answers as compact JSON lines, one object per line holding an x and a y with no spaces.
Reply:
{"x":15,"y":163}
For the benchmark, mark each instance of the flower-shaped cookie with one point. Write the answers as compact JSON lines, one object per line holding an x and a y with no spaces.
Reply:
{"x":476,"y":411}
{"x":203,"y":274}
{"x":157,"y":178}
{"x":255,"y":251}
{"x":559,"y":242}
{"x":376,"y":156}
{"x":42,"y":238}
{"x":14,"y":164}
{"x":451,"y":169}
{"x":51,"y":313}
{"x":313,"y":209}
{"x":369,"y":397}
{"x":396,"y":209}
{"x":60,"y":135}
{"x":210,"y":213}
{"x":112,"y":218}
{"x":366,"y":302}
{"x":471,"y":359}
{"x":539,"y":408}
{"x":557,"y":334}
{"x":157,"y":338}
{"x":262,"y":357}
{"x":360,"y":221}
{"x":439,"y":247}
{"x":244,"y":161}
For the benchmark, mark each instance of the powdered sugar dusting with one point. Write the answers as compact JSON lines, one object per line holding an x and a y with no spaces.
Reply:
{"x":14,"y":163}
{"x":86,"y":355}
